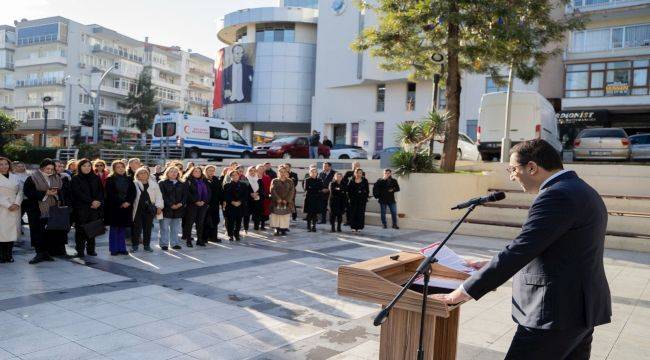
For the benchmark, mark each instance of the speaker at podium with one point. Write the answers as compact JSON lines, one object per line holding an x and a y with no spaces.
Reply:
{"x":379,"y":280}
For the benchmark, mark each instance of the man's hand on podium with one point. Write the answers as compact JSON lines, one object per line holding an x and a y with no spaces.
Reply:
{"x":476,"y":264}
{"x":453,"y":297}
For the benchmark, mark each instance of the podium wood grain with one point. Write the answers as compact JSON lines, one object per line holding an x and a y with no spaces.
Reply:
{"x":378,"y":281}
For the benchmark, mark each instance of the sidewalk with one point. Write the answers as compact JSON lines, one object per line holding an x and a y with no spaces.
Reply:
{"x":264,"y":298}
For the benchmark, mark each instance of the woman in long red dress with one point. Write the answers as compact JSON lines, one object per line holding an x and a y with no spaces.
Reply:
{"x":266,"y":204}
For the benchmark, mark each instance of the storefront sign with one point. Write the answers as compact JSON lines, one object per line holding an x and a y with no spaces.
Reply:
{"x":617,"y":88}
{"x":581,"y":117}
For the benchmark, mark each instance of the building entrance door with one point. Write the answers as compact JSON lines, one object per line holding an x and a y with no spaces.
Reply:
{"x":339,"y":134}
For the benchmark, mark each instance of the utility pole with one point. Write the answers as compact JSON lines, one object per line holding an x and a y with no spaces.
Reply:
{"x":505,"y":142}
{"x":69,"y":119}
{"x":45,"y":99}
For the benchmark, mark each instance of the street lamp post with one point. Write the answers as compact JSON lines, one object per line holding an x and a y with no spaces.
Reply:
{"x":46,"y":99}
{"x":69,"y":119}
{"x":116,"y":65}
{"x":505,"y":142}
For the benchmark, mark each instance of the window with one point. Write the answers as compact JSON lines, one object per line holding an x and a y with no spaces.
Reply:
{"x":491,"y":86}
{"x":238,"y":139}
{"x":38,"y":34}
{"x":355,"y":133}
{"x":275,"y":32}
{"x":170,"y":129}
{"x":471,"y":126}
{"x":381,"y":97}
{"x":218,"y":133}
{"x":640,"y":140}
{"x":379,"y":136}
{"x":301,"y":142}
{"x":410,"y":96}
{"x":302,"y":3}
{"x":240,"y":35}
{"x":631,"y":36}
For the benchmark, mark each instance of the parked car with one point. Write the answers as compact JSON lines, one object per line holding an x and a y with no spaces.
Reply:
{"x":387,"y":152}
{"x":601,"y":144}
{"x":467,"y":149}
{"x":640,"y":147}
{"x":342,"y":151}
{"x":290,"y":147}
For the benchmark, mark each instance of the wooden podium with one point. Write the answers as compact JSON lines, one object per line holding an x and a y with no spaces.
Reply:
{"x":379,"y":280}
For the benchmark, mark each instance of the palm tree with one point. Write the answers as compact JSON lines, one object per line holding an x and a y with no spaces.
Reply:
{"x":434,"y":125}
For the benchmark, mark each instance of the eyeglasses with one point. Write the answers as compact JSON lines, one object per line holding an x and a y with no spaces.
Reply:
{"x":511,"y":169}
{"x":99,"y":165}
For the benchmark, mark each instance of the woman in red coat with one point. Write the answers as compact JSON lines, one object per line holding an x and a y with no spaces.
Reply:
{"x":266,"y":204}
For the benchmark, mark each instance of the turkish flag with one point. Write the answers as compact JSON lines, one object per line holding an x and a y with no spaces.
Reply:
{"x":217,"y":101}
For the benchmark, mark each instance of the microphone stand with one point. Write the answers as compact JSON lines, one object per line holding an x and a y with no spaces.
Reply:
{"x":423,"y":269}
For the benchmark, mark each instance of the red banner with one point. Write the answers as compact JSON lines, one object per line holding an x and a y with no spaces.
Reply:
{"x":217,"y":101}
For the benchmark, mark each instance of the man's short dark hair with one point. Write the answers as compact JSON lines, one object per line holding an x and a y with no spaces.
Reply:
{"x":46,"y":162}
{"x":540,"y":152}
{"x":389,"y":170}
{"x":327,"y":163}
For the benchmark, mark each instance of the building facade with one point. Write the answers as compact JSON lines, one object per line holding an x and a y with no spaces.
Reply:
{"x":64,"y":60}
{"x":606,"y":68}
{"x":265,"y":76}
{"x":7,"y":47}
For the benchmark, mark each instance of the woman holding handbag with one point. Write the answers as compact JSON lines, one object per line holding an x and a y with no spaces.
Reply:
{"x":148,"y":204}
{"x":118,"y":205}
{"x":87,"y":201}
{"x":234,"y":194}
{"x":41,"y":189}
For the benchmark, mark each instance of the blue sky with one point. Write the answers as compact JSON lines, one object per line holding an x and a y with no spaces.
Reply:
{"x":190,"y":24}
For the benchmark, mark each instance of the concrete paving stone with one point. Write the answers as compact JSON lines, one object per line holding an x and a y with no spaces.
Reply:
{"x":111,"y":341}
{"x":156,"y":330}
{"x":39,"y":310}
{"x":27,"y":343}
{"x":63,"y":318}
{"x":79,"y":302}
{"x":192,"y":320}
{"x":145,"y":351}
{"x":127,"y":320}
{"x":69,"y":351}
{"x":83,"y":330}
{"x":188,"y":341}
{"x":368,"y":350}
{"x":225,"y":351}
{"x":5,"y":355}
{"x":17,"y":328}
{"x":165,"y":311}
{"x":226,"y":330}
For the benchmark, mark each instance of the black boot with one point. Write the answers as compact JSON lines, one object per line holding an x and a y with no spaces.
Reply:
{"x":189,"y":243}
{"x":338,"y":228}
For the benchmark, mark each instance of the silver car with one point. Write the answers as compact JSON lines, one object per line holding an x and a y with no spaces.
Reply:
{"x":601,"y":144}
{"x":640,"y":147}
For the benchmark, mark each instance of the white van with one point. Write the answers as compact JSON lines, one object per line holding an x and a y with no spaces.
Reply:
{"x":200,"y":136}
{"x":531,"y":117}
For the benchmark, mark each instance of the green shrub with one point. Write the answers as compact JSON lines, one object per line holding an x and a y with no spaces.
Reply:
{"x":92,"y":151}
{"x":407,"y":162}
{"x":21,"y":150}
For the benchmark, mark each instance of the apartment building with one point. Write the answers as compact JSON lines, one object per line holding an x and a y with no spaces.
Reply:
{"x":65,"y":60}
{"x":606,"y":68}
{"x":7,"y":46}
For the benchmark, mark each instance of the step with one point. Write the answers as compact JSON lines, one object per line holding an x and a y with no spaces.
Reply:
{"x":615,"y":223}
{"x":604,"y":184}
{"x":507,"y":233}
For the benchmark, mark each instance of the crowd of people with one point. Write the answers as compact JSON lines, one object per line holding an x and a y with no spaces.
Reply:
{"x":184,"y":200}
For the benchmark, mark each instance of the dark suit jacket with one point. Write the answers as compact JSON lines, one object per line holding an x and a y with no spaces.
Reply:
{"x":557,"y":260}
{"x":247,"y":83}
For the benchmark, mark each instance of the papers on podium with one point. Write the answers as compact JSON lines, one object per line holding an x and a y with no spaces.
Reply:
{"x":447,"y":258}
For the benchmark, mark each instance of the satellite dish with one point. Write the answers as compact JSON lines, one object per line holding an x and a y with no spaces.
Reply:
{"x":47,"y":98}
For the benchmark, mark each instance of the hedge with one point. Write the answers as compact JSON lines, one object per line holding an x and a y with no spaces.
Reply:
{"x":25,"y":152}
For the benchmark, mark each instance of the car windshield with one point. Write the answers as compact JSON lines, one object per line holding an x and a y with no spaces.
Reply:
{"x":285,"y":140}
{"x":602,"y":133}
{"x":640,"y":139}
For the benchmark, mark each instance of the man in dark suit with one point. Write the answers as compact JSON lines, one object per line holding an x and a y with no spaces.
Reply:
{"x":559,"y":290}
{"x":327,"y":175}
{"x":237,"y":78}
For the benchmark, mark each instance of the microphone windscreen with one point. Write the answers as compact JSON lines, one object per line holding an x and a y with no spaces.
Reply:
{"x":498,"y":196}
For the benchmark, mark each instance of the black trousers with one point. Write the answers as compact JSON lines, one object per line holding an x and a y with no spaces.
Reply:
{"x":6,"y":250}
{"x":83,"y":242}
{"x":211,"y":225}
{"x":532,"y":344}
{"x":142,"y":225}
{"x":233,"y":224}
{"x":194,"y":215}
{"x":336,"y":219}
{"x":37,"y":231}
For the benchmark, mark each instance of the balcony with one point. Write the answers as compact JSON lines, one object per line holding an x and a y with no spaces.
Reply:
{"x":7,"y":66}
{"x":24,"y":103}
{"x":199,"y":85}
{"x":110,"y":90}
{"x":199,"y":101}
{"x":37,"y":124}
{"x":97,"y":48}
{"x":37,"y":40}
{"x":585,"y":6}
{"x":39,"y":83}
{"x":607,"y":102}
{"x":200,"y":71}
{"x":59,"y":58}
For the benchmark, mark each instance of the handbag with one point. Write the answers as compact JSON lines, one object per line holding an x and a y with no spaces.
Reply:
{"x":94,"y":228}
{"x":59,"y":218}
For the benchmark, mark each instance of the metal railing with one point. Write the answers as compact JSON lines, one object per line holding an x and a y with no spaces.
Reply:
{"x":67,"y":154}
{"x":149,"y":157}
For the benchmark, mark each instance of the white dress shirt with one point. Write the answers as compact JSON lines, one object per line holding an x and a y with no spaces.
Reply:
{"x":237,"y":80}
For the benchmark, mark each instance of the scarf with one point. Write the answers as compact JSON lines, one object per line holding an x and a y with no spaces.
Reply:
{"x":41,"y":184}
{"x":202,"y":190}
{"x":253,"y":182}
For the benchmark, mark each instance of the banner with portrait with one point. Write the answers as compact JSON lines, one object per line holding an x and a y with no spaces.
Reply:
{"x":235,"y":71}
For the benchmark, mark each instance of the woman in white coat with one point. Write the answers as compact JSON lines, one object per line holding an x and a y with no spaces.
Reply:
{"x":11,"y":196}
{"x":148,"y":204}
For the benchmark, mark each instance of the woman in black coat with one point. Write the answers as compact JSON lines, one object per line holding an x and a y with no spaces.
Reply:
{"x":174,"y":193}
{"x":119,"y":198}
{"x":358,"y":191}
{"x":338,"y":201}
{"x":313,"y":199}
{"x":87,"y":201}
{"x":234,"y":194}
{"x":212,"y":218}
{"x":198,"y":196}
{"x":256,"y":196}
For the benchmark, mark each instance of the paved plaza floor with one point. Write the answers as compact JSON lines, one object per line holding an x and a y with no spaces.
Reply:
{"x":263,"y":298}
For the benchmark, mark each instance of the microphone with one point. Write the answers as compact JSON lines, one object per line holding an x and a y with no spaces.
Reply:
{"x":495,"y":196}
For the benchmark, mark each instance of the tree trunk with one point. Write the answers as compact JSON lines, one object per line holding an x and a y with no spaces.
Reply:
{"x":452,"y":92}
